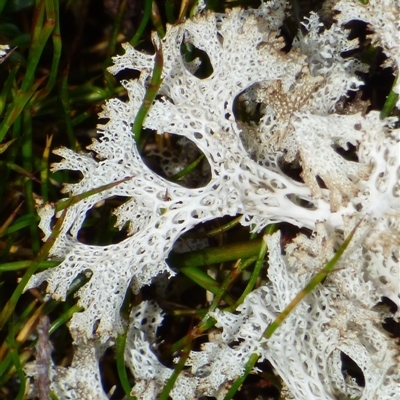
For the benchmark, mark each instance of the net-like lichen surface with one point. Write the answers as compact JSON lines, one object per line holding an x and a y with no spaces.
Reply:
{"x":299,"y":93}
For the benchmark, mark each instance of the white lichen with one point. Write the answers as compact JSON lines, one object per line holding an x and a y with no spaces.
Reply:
{"x":299,"y":93}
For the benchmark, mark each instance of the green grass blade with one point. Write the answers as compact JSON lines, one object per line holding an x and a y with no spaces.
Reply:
{"x":205,"y":281}
{"x":187,"y":170}
{"x":22,"y":222}
{"x":13,"y":351}
{"x":19,"y":170}
{"x":257,"y":270}
{"x":20,"y":265}
{"x":52,"y":12}
{"x":44,"y":169}
{"x":39,"y":39}
{"x":116,"y":27}
{"x":143,"y":23}
{"x":16,"y":108}
{"x":12,"y":302}
{"x":238,"y":382}
{"x":120,"y":357}
{"x":5,"y":92}
{"x":2,"y":4}
{"x":5,"y":146}
{"x":9,"y":220}
{"x":178,"y":368}
{"x":65,"y":317}
{"x":66,"y":104}
{"x":215,"y":255}
{"x":150,"y":95}
{"x":169,"y":11}
{"x":224,"y":228}
{"x":62,"y":205}
{"x":156,"y":20}
{"x":27,"y":162}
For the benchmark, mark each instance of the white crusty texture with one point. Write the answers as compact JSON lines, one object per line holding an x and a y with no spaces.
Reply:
{"x":81,"y":380}
{"x":149,"y":373}
{"x":159,"y":211}
{"x":298,"y":93}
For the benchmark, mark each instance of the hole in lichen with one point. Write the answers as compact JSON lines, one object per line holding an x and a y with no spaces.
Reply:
{"x":245,"y":108}
{"x":348,"y":154}
{"x":129,"y":74}
{"x":350,"y":370}
{"x":98,"y":228}
{"x":177,"y":159}
{"x":65,"y":176}
{"x":301,"y":202}
{"x":293,"y":169}
{"x":196,"y":61}
{"x":248,"y":115}
{"x":387,"y":306}
{"x":391,"y":326}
